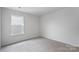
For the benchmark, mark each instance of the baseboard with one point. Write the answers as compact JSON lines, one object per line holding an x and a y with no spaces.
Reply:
{"x":59,"y":41}
{"x":20,"y":41}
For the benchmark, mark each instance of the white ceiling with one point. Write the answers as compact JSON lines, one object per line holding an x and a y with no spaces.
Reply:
{"x":38,"y":11}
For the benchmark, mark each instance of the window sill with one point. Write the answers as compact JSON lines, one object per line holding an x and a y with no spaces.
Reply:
{"x":17,"y":34}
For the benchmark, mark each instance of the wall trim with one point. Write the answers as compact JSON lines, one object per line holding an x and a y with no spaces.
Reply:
{"x":20,"y":41}
{"x":61,"y":42}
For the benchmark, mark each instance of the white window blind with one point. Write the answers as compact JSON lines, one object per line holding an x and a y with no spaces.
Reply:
{"x":17,"y":25}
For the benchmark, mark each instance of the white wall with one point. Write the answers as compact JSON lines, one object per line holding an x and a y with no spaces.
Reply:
{"x":62,"y":25}
{"x":0,"y":27}
{"x":31,"y":26}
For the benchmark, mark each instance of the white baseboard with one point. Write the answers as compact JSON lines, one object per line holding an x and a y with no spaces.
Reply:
{"x":23,"y":39}
{"x":48,"y":37}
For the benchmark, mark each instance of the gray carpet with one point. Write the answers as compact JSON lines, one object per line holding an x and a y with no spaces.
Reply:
{"x":39,"y":45}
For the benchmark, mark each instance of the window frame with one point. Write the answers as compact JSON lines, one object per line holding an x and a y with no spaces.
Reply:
{"x":21,"y":33}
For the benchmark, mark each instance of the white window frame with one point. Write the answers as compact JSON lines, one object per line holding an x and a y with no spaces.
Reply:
{"x":22,"y":24}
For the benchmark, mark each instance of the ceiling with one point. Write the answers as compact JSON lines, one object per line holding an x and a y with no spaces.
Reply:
{"x":38,"y":11}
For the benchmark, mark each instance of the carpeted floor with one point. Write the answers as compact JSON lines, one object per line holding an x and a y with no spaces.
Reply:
{"x":39,"y":45}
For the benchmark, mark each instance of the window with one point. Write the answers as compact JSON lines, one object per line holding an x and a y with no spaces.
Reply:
{"x":17,"y":25}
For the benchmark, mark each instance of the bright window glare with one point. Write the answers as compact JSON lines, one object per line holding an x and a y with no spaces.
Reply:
{"x":17,"y":20}
{"x":17,"y":25}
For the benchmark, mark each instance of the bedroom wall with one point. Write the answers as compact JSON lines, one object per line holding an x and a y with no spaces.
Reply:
{"x":31,"y":28}
{"x":0,"y":27}
{"x":62,"y":25}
